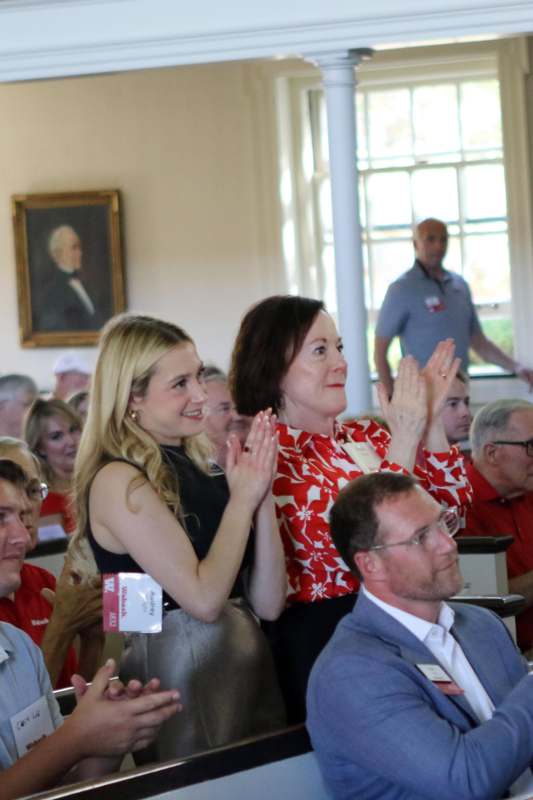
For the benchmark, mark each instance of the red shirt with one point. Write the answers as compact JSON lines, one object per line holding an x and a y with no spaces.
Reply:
{"x":31,"y":613}
{"x":493,"y":515}
{"x":312,"y":469}
{"x":56,"y":503}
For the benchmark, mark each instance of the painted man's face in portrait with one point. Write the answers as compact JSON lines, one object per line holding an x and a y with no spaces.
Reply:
{"x":68,"y":255}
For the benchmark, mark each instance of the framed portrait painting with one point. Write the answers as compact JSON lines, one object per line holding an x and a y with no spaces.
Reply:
{"x":70,"y":277}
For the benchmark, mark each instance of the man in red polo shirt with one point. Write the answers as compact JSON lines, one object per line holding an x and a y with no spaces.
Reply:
{"x":501,"y":474}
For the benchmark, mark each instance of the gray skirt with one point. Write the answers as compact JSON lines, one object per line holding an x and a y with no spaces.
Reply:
{"x":224,"y":672}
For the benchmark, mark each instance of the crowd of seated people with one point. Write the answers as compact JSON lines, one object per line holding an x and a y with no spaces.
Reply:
{"x":52,"y":612}
{"x":221,"y":489}
{"x":37,"y":748}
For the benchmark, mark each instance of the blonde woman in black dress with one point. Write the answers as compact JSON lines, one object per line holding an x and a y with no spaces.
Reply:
{"x":146,"y":501}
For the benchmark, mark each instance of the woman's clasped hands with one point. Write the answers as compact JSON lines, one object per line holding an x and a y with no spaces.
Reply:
{"x":250,"y":470}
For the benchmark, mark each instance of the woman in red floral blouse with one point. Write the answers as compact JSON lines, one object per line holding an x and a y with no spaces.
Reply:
{"x":288,"y":355}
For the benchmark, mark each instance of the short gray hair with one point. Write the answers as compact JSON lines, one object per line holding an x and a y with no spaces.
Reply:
{"x":491,"y":421}
{"x":11,"y":384}
{"x":213,"y":373}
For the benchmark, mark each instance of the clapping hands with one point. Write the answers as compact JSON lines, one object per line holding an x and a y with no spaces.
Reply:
{"x":250,"y":470}
{"x":407,"y":410}
{"x":439,"y":374}
{"x":414,"y":411}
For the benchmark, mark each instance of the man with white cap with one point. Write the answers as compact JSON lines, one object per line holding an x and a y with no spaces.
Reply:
{"x":72,"y":374}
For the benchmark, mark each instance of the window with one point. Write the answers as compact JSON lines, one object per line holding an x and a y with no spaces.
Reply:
{"x":425,"y":150}
{"x":436,"y":137}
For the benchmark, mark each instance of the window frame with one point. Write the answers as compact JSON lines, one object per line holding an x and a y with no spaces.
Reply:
{"x":508,"y":60}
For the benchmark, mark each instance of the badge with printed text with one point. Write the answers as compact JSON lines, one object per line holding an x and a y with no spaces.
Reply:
{"x":132,"y":603}
{"x":363,"y":455}
{"x":31,"y":725}
{"x":440,"y":679}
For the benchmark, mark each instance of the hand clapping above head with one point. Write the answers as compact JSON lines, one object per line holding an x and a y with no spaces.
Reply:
{"x":406,"y":411}
{"x":439,"y":374}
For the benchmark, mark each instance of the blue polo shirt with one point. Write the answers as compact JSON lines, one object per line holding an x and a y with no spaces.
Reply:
{"x":23,"y":680}
{"x":422,"y":311}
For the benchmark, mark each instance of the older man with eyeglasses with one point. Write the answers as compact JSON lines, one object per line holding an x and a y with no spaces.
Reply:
{"x":415,"y":697}
{"x":501,"y":474}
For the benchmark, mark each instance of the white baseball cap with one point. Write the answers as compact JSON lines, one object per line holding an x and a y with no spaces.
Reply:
{"x":71,"y":362}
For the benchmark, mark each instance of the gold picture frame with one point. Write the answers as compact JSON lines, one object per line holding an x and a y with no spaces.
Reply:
{"x":70,"y":275}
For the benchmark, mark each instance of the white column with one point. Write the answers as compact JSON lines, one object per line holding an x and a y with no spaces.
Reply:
{"x":339,"y":84}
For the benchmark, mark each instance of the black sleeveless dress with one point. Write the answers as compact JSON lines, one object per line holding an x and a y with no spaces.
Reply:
{"x":224,"y":670}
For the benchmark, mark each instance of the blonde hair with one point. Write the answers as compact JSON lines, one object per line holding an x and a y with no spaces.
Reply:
{"x":9,"y":443}
{"x":130,"y":347}
{"x":40,"y":411}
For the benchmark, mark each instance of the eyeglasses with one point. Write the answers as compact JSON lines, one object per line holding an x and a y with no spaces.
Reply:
{"x":449,"y":523}
{"x":37,"y":490}
{"x":528,"y":445}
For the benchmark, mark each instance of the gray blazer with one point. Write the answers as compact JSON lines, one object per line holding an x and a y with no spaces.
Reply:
{"x":382,"y":730}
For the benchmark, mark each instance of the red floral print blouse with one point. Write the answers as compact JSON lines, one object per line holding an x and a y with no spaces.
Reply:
{"x":312,"y":469}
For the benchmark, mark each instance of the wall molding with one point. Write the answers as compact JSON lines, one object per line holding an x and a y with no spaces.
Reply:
{"x":53,"y":38}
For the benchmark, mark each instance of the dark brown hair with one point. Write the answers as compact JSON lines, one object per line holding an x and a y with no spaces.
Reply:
{"x":353,"y":520}
{"x":271,"y":335}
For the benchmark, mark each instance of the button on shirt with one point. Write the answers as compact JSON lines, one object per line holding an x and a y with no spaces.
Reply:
{"x":23,"y":680}
{"x":450,"y":655}
{"x":422,"y":311}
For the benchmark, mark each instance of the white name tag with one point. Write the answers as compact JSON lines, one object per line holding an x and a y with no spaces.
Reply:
{"x":133,"y":603}
{"x":363,"y":455}
{"x":31,"y":725}
{"x":434,"y":673}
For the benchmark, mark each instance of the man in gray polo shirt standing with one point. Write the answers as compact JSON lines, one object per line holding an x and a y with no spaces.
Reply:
{"x":427,"y":304}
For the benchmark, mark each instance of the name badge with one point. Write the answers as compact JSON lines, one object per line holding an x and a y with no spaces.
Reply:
{"x":363,"y":455}
{"x":31,"y":725}
{"x":434,"y":673}
{"x":440,"y":679}
{"x":132,"y":603}
{"x":434,"y":304}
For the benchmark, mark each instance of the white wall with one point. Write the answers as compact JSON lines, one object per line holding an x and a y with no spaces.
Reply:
{"x":186,"y":147}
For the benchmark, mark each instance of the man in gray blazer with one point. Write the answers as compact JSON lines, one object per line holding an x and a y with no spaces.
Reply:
{"x":414,"y":697}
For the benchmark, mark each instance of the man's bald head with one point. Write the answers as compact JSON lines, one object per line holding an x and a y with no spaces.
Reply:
{"x":431,"y":242}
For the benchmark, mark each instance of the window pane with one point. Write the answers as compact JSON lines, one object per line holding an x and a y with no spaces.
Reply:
{"x":389,"y":199}
{"x":330,"y":292}
{"x":435,"y":194}
{"x":324,"y":153}
{"x":390,"y":124}
{"x":436,"y":122}
{"x":499,"y":329}
{"x":389,"y":260}
{"x":362,"y":206}
{"x":484,"y":192}
{"x":362,"y":151}
{"x":324,"y":199}
{"x":487,"y":268}
{"x":480,"y":116}
{"x":454,"y":260}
